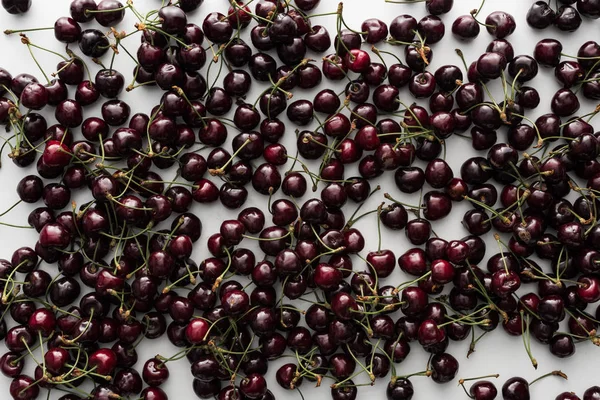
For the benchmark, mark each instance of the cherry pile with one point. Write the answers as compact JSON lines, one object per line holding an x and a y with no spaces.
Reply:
{"x":311,"y":292}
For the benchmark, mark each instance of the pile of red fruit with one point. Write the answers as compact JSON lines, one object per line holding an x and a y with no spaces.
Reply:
{"x":121,"y":260}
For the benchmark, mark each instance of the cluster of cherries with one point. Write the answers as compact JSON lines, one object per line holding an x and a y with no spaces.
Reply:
{"x":122,"y":278}
{"x":566,"y":18}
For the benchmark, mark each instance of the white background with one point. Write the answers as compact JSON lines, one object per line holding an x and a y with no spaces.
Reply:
{"x":496,"y":353}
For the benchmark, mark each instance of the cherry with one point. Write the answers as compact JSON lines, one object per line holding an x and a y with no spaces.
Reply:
{"x":490,"y":65}
{"x":374,"y":30}
{"x":568,"y":73}
{"x":515,"y":389}
{"x":503,"y":47}
{"x":437,"y":7}
{"x":10,"y":364}
{"x":476,"y":222}
{"x":444,"y":367}
{"x":348,"y":391}
{"x":286,"y":376}
{"x":93,"y":43}
{"x":155,"y":372}
{"x":422,"y":85}
{"x":16,"y":6}
{"x":173,"y":19}
{"x":109,"y":83}
{"x":540,"y":15}
{"x":588,"y":289}
{"x":567,"y":19}
{"x":24,"y":387}
{"x":592,"y":393}
{"x":104,"y":361}
{"x":67,"y":30}
{"x":500,"y":24}
{"x":253,"y":386}
{"x":562,"y":346}
{"x":547,"y":52}
{"x":197,"y":330}
{"x":441,"y":102}
{"x":115,"y":112}
{"x":235,"y":302}
{"x":309,"y":75}
{"x":431,"y":28}
{"x":483,"y":390}
{"x":465,"y":27}
{"x":385,"y":98}
{"x":42,"y":321}
{"x":399,"y":389}
{"x":551,"y":308}
{"x":403,"y":28}
{"x":189,"y":6}
{"x":128,"y":381}
{"x":79,"y":10}
{"x":34,"y":96}
{"x":588,"y":49}
{"x":54,"y":235}
{"x":429,"y":334}
{"x":357,"y":60}
{"x":181,"y":309}
{"x":19,"y":82}
{"x":30,"y":189}
{"x":524,"y":66}
{"x":437,"y":205}
{"x":342,"y":366}
{"x":300,"y":112}
{"x":111,"y":12}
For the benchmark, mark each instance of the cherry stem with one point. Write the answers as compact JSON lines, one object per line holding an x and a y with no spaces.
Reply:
{"x":587,"y":316}
{"x":353,"y":217}
{"x":11,"y":31}
{"x":483,"y":291}
{"x":462,"y":58}
{"x":222,"y":276}
{"x":461,"y":381}
{"x":181,"y":93}
{"x":389,"y":197}
{"x":474,"y":341}
{"x":499,"y":243}
{"x":376,"y":283}
{"x":13,"y":206}
{"x":537,"y":131}
{"x":379,"y":52}
{"x":221,"y":170}
{"x":426,"y":373}
{"x":529,"y":310}
{"x":481,"y":204}
{"x":527,"y":339}
{"x":466,"y":317}
{"x":336,"y":250}
{"x":379,"y":210}
{"x":72,"y":341}
{"x":401,"y":286}
{"x":479,"y":9}
{"x":242,"y":357}
{"x":465,"y":389}
{"x":268,"y":239}
{"x":25,"y":41}
{"x":553,"y":373}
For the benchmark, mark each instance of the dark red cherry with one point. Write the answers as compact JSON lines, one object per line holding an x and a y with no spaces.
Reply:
{"x":500,"y":24}
{"x":567,"y":19}
{"x":465,"y":27}
{"x":112,"y":13}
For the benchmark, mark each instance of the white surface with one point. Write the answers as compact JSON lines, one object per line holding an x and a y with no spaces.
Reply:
{"x":496,"y":353}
